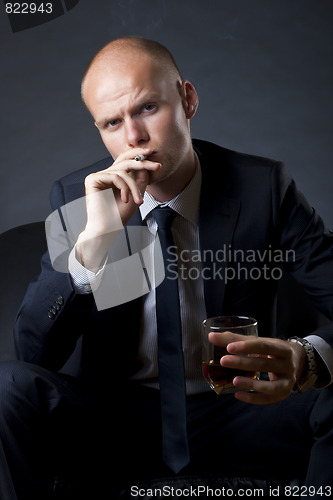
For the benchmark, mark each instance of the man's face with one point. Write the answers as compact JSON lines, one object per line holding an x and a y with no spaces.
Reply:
{"x":138,"y":104}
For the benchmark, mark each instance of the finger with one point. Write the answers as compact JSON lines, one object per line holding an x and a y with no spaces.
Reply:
{"x":261,"y":346}
{"x":133,"y":166}
{"x":257,"y":364}
{"x":121,"y":178}
{"x":222,"y":339}
{"x":122,"y":186}
{"x":132,"y":153}
{"x":261,"y":391}
{"x":279,"y":388}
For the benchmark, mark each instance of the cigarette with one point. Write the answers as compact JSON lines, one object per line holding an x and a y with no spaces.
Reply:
{"x":140,"y":157}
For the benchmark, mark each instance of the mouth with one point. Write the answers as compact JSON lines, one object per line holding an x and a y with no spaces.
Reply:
{"x":152,"y":156}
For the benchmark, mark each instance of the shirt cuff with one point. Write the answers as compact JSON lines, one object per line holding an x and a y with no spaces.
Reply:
{"x":325,"y":351}
{"x":84,"y":281}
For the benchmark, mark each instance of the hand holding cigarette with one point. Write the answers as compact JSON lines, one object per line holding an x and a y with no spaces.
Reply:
{"x":128,"y":177}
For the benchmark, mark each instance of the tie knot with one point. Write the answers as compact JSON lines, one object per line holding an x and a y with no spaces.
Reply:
{"x":164,"y":217}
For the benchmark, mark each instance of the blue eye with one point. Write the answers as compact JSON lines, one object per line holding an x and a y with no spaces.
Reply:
{"x":113,"y":123}
{"x":149,"y":107}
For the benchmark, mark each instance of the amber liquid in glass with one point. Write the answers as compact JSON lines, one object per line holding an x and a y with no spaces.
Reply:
{"x":220,"y":378}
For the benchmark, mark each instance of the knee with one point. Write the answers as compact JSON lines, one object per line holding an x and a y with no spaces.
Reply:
{"x":8,"y":370}
{"x":8,"y":390}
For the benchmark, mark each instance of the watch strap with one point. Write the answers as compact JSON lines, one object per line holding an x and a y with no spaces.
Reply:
{"x":311,"y":371}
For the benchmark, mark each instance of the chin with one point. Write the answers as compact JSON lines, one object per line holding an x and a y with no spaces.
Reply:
{"x":156,"y":177}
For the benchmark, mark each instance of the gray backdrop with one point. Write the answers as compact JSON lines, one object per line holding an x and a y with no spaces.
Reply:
{"x":263,"y":71}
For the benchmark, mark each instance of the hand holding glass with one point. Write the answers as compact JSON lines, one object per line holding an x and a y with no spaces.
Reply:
{"x":219,"y":377}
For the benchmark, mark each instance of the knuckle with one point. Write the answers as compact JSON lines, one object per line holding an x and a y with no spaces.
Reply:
{"x":91,"y":181}
{"x":287,"y":387}
{"x":290,"y":351}
{"x":89,"y":178}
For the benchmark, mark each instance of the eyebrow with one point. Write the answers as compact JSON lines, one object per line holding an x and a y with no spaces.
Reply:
{"x":142,"y":102}
{"x":104,"y":121}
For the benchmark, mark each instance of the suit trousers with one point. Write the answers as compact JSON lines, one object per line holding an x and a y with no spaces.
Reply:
{"x":50,"y":425}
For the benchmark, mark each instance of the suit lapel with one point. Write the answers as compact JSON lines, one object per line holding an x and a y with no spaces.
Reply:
{"x":217,"y":222}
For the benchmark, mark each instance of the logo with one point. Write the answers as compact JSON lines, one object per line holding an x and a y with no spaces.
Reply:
{"x":134,"y":264}
{"x":26,"y":15}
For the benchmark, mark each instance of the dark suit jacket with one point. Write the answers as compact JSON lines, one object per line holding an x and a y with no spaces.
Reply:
{"x":247,"y":203}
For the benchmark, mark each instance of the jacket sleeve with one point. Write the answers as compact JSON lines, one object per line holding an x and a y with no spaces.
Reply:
{"x":52,"y":316}
{"x":309,"y":246}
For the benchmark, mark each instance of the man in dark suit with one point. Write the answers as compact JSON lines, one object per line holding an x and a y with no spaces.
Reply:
{"x":223,"y":202}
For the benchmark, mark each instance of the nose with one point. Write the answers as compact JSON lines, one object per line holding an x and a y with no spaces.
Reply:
{"x":136,"y":133}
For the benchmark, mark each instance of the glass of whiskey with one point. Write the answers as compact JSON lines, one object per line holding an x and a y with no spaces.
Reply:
{"x":218,"y":377}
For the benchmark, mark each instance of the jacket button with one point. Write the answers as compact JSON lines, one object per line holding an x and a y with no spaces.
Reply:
{"x":51,"y":314}
{"x":60,"y":300}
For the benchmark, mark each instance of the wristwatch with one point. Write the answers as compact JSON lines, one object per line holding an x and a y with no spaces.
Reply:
{"x":311,"y":372}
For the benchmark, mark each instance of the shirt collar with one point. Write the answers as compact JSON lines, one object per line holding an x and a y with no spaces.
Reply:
{"x":186,"y":203}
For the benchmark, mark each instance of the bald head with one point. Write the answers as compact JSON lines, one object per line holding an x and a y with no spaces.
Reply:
{"x":128,"y":50}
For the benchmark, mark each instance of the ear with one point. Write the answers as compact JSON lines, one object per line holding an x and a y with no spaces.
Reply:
{"x":190,"y":98}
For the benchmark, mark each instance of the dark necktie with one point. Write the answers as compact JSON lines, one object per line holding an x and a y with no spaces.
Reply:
{"x":170,"y":354}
